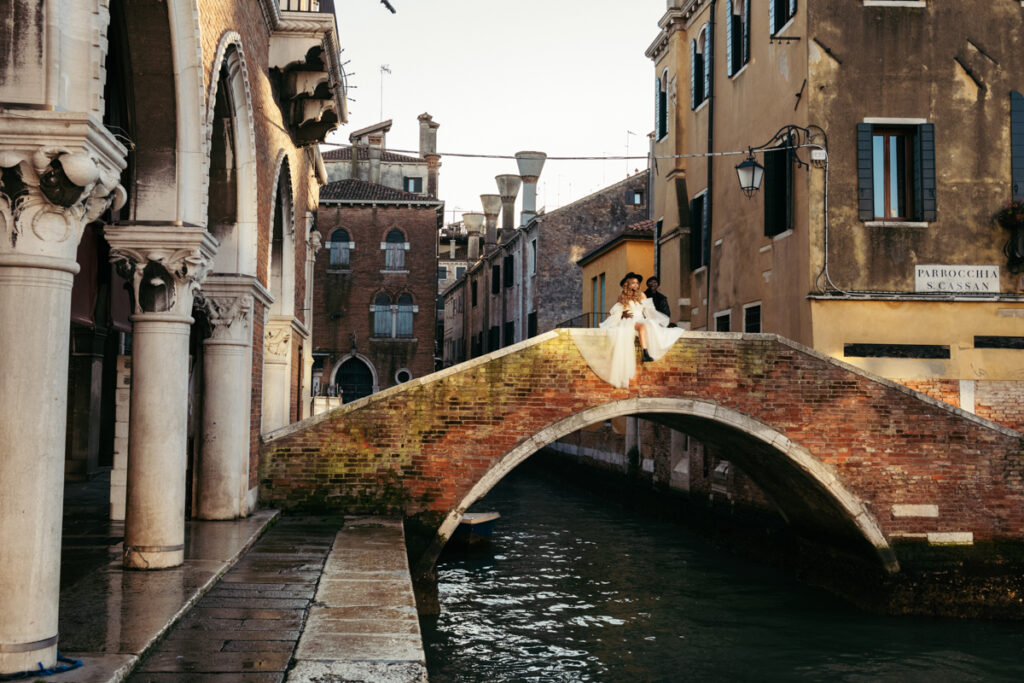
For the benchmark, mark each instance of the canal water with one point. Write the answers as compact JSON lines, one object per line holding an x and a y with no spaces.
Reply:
{"x":577,"y":588}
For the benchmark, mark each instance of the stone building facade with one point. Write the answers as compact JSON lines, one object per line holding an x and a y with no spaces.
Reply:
{"x":530,"y":282}
{"x":159,"y":187}
{"x":886,"y":132}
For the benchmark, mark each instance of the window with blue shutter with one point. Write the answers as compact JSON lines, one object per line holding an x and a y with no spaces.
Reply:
{"x":737,"y":35}
{"x":707,"y":62}
{"x":896,"y":173}
{"x":1017,"y":144}
{"x":779,"y":14}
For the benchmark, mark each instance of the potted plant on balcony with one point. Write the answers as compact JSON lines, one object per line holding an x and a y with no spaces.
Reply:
{"x":1011,"y":217}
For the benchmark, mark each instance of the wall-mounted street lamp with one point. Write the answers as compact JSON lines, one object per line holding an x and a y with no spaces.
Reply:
{"x":750,"y":174}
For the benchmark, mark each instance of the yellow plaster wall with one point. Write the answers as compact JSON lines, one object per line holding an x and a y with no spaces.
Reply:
{"x":635,"y":256}
{"x":949,"y":323}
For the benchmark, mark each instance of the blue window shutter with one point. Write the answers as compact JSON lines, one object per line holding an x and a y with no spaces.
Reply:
{"x":693,"y":74}
{"x":1017,"y":143}
{"x":771,"y":17}
{"x":746,"y":32}
{"x":708,"y":61}
{"x":730,"y":68}
{"x":792,"y":8}
{"x":924,"y":173}
{"x":865,"y":173}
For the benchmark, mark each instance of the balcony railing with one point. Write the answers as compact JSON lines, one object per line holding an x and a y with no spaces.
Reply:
{"x":307,"y":6}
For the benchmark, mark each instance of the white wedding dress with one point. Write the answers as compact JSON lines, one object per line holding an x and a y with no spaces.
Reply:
{"x":612,"y":355}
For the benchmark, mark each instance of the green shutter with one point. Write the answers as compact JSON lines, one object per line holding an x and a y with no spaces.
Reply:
{"x":792,"y":8}
{"x":771,"y":17}
{"x":1017,"y":144}
{"x":865,"y":176}
{"x":924,"y":173}
{"x":657,"y":107}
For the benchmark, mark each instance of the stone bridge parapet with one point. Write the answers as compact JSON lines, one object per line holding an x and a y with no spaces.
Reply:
{"x":845,"y":455}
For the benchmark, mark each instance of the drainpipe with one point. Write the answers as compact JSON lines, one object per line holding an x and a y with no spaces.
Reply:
{"x":708,"y":250}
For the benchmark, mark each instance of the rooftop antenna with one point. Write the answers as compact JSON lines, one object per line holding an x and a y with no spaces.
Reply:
{"x":384,"y":69}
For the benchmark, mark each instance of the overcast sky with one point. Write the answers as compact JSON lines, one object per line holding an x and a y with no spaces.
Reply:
{"x":565,"y":77}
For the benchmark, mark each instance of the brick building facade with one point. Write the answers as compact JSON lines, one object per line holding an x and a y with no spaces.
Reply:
{"x":376,"y":288}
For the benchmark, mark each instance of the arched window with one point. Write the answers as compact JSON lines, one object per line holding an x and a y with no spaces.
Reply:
{"x":405,"y":311}
{"x":340,"y":245}
{"x":382,"y":315}
{"x":394,"y":250}
{"x":355,"y":380}
{"x":700,"y":68}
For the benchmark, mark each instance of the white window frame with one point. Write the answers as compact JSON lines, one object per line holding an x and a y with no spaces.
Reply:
{"x":760,"y":321}
{"x":727,"y":313}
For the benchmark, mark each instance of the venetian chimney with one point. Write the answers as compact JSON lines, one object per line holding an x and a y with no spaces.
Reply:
{"x":492,"y":207}
{"x":508,"y":188}
{"x":530,"y":165}
{"x":473,"y":222}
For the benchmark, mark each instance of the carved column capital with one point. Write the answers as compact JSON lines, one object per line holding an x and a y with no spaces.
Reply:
{"x":313,"y":245}
{"x":229,"y":303}
{"x":164,"y":263}
{"x":277,"y":343}
{"x":49,"y":195}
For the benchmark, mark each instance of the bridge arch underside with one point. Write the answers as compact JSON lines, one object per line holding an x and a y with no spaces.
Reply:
{"x":806,"y":491}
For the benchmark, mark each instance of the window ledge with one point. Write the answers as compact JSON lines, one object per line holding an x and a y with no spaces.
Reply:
{"x":895,"y":224}
{"x":742,"y":69}
{"x":782,"y":29}
{"x":703,"y":103}
{"x":897,"y":3}
{"x":339,"y":271}
{"x":782,"y":235}
{"x":393,"y":340}
{"x":394,"y":272}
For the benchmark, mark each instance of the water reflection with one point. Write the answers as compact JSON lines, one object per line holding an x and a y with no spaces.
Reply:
{"x":578,"y":589}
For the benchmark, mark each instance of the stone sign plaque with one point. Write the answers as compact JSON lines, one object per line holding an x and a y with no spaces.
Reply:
{"x":957,"y":279}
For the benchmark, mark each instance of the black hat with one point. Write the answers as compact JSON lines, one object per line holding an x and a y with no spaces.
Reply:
{"x":655,"y":278}
{"x":635,"y":276}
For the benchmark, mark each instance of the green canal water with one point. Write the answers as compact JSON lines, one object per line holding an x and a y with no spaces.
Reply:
{"x":578,"y":588}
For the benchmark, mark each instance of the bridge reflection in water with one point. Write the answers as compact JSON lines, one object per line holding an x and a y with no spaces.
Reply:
{"x":580,"y":588}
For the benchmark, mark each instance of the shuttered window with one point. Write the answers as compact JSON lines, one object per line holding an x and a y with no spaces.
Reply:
{"x":341,"y":244}
{"x":382,"y":316}
{"x":698,"y":232}
{"x":737,"y":35}
{"x":778,"y":191}
{"x":403,"y":326}
{"x":700,"y":68}
{"x":779,"y":13}
{"x":1017,"y":144}
{"x":661,"y":106}
{"x":896,"y":172}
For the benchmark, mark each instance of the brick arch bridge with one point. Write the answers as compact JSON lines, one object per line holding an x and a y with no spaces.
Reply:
{"x":846,"y":456}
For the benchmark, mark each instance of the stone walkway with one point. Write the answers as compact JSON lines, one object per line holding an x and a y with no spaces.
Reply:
{"x":246,"y":627}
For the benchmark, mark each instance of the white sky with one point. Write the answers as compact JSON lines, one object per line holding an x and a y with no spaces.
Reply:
{"x":565,"y":77}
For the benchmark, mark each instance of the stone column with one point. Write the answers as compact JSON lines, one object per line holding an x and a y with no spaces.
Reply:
{"x":165,"y":264}
{"x":47,"y":196}
{"x":223,"y":468}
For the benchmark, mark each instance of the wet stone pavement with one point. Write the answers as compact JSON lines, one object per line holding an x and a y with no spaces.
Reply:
{"x":246,"y":627}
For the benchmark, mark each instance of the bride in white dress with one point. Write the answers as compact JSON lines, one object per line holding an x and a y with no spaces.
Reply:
{"x":633,"y":315}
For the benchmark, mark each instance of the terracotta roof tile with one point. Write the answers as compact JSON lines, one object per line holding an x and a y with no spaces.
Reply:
{"x":345,"y":154}
{"x":360,"y":190}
